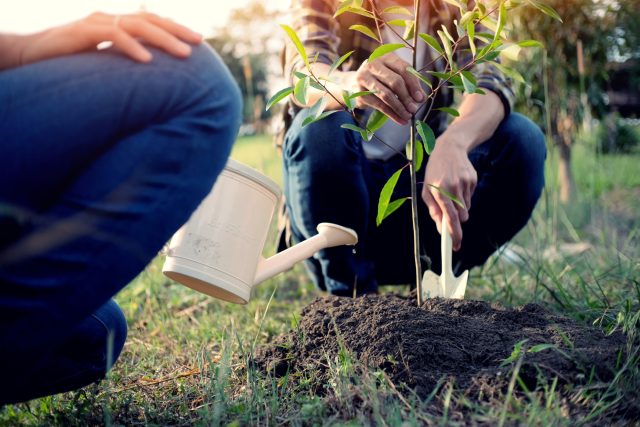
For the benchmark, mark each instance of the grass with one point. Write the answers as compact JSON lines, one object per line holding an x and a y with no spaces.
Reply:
{"x":187,"y":359}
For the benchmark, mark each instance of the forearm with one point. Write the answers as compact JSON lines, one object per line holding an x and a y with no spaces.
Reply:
{"x":11,"y":47}
{"x":479,"y":118}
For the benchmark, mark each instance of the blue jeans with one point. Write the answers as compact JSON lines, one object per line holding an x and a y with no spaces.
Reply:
{"x":103,"y":159}
{"x":327,"y":178}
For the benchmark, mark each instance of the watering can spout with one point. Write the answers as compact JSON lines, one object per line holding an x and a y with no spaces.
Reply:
{"x":329,"y":235}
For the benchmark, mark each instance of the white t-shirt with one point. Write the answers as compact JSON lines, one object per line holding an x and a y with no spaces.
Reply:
{"x":394,"y":135}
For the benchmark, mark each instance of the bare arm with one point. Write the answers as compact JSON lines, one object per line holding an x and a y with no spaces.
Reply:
{"x":449,"y":166}
{"x":84,"y":35}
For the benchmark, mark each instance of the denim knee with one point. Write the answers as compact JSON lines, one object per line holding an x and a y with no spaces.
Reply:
{"x":221,"y":103}
{"x":526,"y":153}
{"x":322,"y":144}
{"x":210,"y":111}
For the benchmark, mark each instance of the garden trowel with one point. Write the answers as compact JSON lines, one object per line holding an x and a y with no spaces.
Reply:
{"x":446,"y":285}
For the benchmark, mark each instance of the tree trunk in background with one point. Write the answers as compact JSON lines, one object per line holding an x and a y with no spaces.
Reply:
{"x":566,"y":128}
{"x":565,"y":176}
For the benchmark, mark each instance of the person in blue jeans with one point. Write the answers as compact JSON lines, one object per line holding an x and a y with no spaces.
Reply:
{"x":105,"y":153}
{"x":489,"y":157}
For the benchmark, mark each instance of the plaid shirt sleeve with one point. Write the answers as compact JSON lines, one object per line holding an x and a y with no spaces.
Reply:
{"x":318,"y":31}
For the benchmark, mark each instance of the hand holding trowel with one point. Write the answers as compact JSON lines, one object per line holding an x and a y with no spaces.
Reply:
{"x":446,"y":285}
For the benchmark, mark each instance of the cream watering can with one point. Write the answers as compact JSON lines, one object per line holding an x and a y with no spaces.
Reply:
{"x":219,"y":250}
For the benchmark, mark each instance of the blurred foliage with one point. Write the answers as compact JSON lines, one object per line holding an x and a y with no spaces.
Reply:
{"x":564,"y":95}
{"x":609,"y":32}
{"x":244,"y":45}
{"x":613,"y":135}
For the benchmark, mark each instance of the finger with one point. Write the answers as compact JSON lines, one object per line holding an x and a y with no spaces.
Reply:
{"x":411,"y":82}
{"x":180,"y":31}
{"x":452,"y":218}
{"x":382,"y":92}
{"x":463,"y":213}
{"x":467,"y":198}
{"x":123,"y":41}
{"x":375,"y":102}
{"x":155,"y":36}
{"x":434,"y":209}
{"x":395,"y":82}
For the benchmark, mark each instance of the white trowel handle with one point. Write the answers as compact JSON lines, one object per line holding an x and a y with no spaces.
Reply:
{"x":446,"y":247}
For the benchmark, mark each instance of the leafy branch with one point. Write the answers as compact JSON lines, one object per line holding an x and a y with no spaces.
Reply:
{"x":453,"y":76}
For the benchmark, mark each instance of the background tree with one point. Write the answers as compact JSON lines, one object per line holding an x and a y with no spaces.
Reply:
{"x":250,"y":50}
{"x":569,"y":78}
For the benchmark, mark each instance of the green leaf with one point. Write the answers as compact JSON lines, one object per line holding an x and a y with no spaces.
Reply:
{"x":358,"y":10}
{"x":349,"y":98}
{"x":361,"y":93}
{"x":510,"y":72}
{"x":515,"y":354}
{"x":446,"y":43}
{"x":441,"y":76}
{"x":491,"y":56}
{"x":431,"y":41}
{"x":471,"y":30}
{"x":314,"y":84}
{"x":365,"y":30}
{"x":540,"y":347}
{"x":375,"y":122}
{"x":467,"y":18}
{"x":362,"y":132}
{"x":469,"y":75}
{"x":398,"y":10}
{"x":392,"y":207}
{"x":502,"y":19}
{"x":547,"y":10}
{"x":530,"y":43}
{"x":446,"y":33}
{"x":383,"y":50}
{"x":324,"y":114}
{"x":279,"y":96}
{"x":297,"y":43}
{"x":416,"y":73}
{"x":317,"y":108}
{"x":300,"y":90}
{"x":398,"y":22}
{"x":468,"y":83}
{"x":348,"y":101}
{"x":385,"y":196}
{"x":338,"y":62}
{"x":427,"y":135}
{"x":419,"y":156}
{"x":449,"y":110}
{"x":448,"y":195}
{"x":409,"y":31}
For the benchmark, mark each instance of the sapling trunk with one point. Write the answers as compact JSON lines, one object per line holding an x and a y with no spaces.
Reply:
{"x":412,"y":168}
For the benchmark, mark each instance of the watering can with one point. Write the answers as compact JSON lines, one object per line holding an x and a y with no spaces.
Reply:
{"x":446,"y":285}
{"x":219,"y":250}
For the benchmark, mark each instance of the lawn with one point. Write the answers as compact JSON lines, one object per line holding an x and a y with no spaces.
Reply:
{"x":188,"y":357}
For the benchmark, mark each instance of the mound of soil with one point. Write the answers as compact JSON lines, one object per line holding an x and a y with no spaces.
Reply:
{"x":463,"y":340}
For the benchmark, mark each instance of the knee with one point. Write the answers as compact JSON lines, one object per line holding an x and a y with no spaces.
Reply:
{"x":321,"y":141}
{"x":221,"y":100}
{"x":527,"y":148}
{"x":206,"y":109}
{"x":526,"y":139}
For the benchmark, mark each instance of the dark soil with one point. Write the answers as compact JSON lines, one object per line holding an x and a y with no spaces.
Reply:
{"x":464,"y":341}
